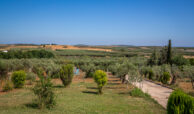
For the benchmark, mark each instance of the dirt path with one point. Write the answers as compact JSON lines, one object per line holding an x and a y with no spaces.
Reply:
{"x":158,"y":92}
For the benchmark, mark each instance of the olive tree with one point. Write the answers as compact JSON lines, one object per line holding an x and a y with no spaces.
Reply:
{"x":189,"y":73}
{"x":176,"y":72}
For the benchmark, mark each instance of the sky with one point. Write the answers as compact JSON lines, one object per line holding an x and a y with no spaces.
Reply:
{"x":97,"y":22}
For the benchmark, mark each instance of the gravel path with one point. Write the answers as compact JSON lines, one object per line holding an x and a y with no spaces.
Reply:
{"x":158,"y":92}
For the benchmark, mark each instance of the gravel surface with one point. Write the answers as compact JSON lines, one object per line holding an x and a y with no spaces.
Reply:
{"x":157,"y":92}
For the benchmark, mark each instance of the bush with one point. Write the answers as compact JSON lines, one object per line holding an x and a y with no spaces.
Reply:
{"x":18,"y":78}
{"x":136,"y":92}
{"x":180,"y":103}
{"x":8,"y":86}
{"x":150,"y":74}
{"x":100,"y":78}
{"x":66,"y":74}
{"x":43,"y":89}
{"x":165,"y":77}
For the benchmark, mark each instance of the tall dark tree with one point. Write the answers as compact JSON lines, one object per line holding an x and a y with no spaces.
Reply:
{"x":169,"y":53}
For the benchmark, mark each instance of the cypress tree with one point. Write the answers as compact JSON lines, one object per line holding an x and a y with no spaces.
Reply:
{"x":169,"y":52}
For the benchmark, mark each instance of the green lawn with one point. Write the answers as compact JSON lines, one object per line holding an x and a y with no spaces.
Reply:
{"x":80,"y":98}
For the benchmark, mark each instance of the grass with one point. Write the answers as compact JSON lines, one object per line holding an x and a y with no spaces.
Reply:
{"x":80,"y":98}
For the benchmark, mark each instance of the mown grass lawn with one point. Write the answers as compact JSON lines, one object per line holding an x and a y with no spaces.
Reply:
{"x":80,"y":98}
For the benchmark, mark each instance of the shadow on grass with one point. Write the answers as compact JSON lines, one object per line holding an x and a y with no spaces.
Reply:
{"x":115,"y":87}
{"x":91,"y":87}
{"x":112,"y":77}
{"x":90,"y":92}
{"x":124,"y":93}
{"x":32,"y":105}
{"x":58,"y":86}
{"x":114,"y":83}
{"x":114,"y":80}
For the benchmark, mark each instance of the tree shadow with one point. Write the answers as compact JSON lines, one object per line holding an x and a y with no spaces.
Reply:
{"x":114,"y":83}
{"x":91,"y":87}
{"x":112,"y":77}
{"x":115,"y":87}
{"x":58,"y":86}
{"x":90,"y":92}
{"x":32,"y":105}
{"x":113,"y":80}
{"x":124,"y":93}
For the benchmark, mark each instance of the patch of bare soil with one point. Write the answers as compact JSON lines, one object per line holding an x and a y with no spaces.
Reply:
{"x":186,"y":86}
{"x":55,"y":47}
{"x":190,"y":50}
{"x":8,"y":47}
{"x":188,"y":57}
{"x":86,"y":48}
{"x":144,"y":47}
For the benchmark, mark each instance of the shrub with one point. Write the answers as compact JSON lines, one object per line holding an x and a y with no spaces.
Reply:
{"x":100,"y":78}
{"x":165,"y":77}
{"x":150,"y":74}
{"x":136,"y":92}
{"x":18,"y":78}
{"x":43,"y":89}
{"x":8,"y":86}
{"x":66,"y":74}
{"x":180,"y":103}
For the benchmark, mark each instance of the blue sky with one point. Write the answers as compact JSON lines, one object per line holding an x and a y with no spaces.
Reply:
{"x":97,"y":22}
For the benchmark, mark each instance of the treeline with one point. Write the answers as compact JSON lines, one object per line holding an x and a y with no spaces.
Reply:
{"x":80,"y":53}
{"x":11,"y":54}
{"x":168,"y":56}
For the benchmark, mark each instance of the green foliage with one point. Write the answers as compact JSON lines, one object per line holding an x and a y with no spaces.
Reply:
{"x":179,"y":60}
{"x":18,"y":78}
{"x":180,"y":103}
{"x":176,"y":73}
{"x":100,"y":78}
{"x":136,"y":92}
{"x":169,"y":53}
{"x":89,"y":69}
{"x":191,"y":61}
{"x":26,"y":54}
{"x":165,"y":77}
{"x":3,"y":70}
{"x":150,"y":74}
{"x":66,"y":74}
{"x":8,"y":86}
{"x":163,"y":56}
{"x":43,"y":90}
{"x":157,"y":72}
{"x":189,"y":73}
{"x":154,"y":59}
{"x":31,"y":77}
